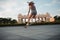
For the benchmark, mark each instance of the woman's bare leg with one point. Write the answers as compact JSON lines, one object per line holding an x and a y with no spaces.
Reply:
{"x":29,"y":17}
{"x":34,"y":16}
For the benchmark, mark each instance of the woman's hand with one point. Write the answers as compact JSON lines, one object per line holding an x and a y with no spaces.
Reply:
{"x":28,"y":13}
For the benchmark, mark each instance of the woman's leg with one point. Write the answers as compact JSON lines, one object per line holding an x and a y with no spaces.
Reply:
{"x":29,"y":17}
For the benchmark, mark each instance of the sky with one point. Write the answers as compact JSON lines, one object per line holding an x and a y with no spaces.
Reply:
{"x":11,"y":8}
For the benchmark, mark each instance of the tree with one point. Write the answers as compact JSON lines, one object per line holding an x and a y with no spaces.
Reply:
{"x":57,"y":18}
{"x":7,"y":21}
{"x":13,"y":21}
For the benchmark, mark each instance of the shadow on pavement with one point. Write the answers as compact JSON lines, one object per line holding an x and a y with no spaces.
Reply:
{"x":9,"y":36}
{"x":56,"y":37}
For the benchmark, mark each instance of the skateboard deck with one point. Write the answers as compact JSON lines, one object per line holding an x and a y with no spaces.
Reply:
{"x":26,"y":25}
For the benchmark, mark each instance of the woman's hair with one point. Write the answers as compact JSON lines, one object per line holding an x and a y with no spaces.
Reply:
{"x":31,"y":3}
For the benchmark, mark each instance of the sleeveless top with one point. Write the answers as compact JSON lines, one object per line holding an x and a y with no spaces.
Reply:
{"x":33,"y":10}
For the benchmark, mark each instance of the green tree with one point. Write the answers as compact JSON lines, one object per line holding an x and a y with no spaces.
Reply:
{"x":57,"y":18}
{"x":14,"y":21}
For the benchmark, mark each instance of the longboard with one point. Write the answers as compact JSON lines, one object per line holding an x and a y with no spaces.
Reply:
{"x":26,"y":25}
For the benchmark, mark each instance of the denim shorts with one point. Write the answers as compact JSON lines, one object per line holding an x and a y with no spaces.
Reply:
{"x":33,"y":12}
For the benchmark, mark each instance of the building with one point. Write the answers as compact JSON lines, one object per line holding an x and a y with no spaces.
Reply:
{"x":20,"y":18}
{"x":39,"y":18}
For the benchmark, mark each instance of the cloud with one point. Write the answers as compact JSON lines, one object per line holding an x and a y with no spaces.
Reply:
{"x":58,"y":10}
{"x":11,"y":8}
{"x":53,"y":2}
{"x":1,"y":9}
{"x":7,"y":10}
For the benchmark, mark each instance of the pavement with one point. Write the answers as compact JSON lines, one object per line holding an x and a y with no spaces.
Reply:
{"x":40,"y":32}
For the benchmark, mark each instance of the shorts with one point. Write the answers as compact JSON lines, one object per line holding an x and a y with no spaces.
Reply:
{"x":33,"y":12}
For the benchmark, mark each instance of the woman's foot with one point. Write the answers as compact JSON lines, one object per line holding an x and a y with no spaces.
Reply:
{"x":27,"y":24}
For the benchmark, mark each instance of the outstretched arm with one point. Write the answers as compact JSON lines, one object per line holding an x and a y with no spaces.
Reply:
{"x":28,"y":11}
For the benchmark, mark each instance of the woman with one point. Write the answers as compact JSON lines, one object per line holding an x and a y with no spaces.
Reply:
{"x":33,"y":11}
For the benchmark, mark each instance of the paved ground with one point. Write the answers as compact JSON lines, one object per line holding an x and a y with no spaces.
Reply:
{"x":42,"y":32}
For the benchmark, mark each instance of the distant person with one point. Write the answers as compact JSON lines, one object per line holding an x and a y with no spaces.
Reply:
{"x":32,"y":11}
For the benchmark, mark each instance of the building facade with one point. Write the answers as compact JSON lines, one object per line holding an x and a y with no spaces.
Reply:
{"x":39,"y":18}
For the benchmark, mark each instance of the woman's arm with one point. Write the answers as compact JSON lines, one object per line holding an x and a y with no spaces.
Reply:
{"x":29,"y":11}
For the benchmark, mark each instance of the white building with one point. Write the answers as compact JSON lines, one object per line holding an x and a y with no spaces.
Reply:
{"x":39,"y":18}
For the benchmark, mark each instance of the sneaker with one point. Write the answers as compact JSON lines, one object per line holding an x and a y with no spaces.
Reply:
{"x":27,"y":24}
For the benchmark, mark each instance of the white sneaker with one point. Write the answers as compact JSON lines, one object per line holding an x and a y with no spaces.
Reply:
{"x":27,"y":24}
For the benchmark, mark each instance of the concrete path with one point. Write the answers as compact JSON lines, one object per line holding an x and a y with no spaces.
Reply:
{"x":41,"y":32}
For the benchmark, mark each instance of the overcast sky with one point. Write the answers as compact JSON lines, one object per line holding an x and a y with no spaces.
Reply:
{"x":11,"y":8}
